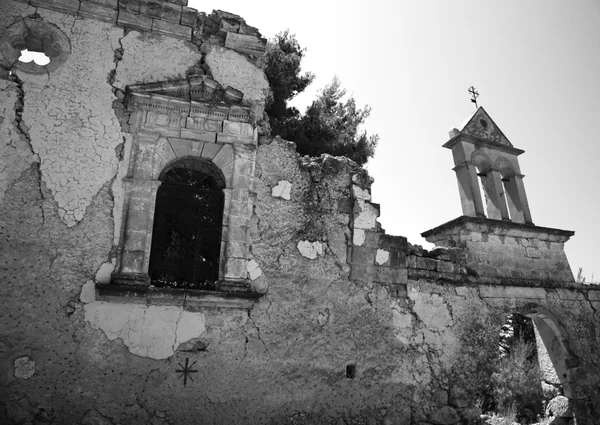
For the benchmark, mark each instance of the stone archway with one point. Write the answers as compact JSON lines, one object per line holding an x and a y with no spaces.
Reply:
{"x":557,"y":361}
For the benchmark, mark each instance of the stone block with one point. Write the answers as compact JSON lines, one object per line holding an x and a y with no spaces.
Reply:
{"x":533,"y":253}
{"x":593,"y":293}
{"x":241,"y":130}
{"x":111,"y":4}
{"x":372,"y":238}
{"x":344,"y":205}
{"x":416,"y":274}
{"x":235,"y":268}
{"x":172,"y":29}
{"x":165,"y":296}
{"x":229,"y":25}
{"x":248,"y":44}
{"x":426,"y":263}
{"x":239,"y":208}
{"x":240,"y":195}
{"x":96,"y":11}
{"x":171,"y":12}
{"x":445,"y":267}
{"x":511,"y":292}
{"x":237,"y":233}
{"x":132,"y":261}
{"x":392,"y":275}
{"x":132,"y":6}
{"x":236,"y":249}
{"x":202,"y":136}
{"x":142,"y":23}
{"x":178,"y":2}
{"x":68,"y":6}
{"x":244,"y":167}
{"x":362,"y":255}
{"x":397,"y":259}
{"x":151,"y":8}
{"x":189,"y":16}
{"x":135,"y":240}
{"x":362,"y":273}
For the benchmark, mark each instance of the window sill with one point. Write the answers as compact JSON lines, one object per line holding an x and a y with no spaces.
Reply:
{"x":236,"y":296}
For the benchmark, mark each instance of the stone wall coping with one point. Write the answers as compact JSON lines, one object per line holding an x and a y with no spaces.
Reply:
{"x":468,"y":138}
{"x":188,"y":299}
{"x":497,"y":227}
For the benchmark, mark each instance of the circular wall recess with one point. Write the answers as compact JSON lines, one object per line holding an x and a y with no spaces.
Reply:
{"x":35,"y":35}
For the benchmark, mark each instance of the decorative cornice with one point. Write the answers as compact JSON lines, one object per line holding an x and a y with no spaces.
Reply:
{"x":499,"y":227}
{"x":479,"y":142}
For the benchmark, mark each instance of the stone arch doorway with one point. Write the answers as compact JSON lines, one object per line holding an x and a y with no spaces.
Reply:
{"x":188,"y":219}
{"x":557,"y":361}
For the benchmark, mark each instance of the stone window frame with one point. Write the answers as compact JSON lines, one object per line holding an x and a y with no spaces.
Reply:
{"x":28,"y":32}
{"x":164,"y":130}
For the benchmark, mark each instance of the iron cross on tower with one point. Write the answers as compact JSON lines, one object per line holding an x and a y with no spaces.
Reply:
{"x":474,"y":95}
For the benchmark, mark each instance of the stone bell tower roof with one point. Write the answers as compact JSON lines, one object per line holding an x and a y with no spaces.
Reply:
{"x":482,"y":127}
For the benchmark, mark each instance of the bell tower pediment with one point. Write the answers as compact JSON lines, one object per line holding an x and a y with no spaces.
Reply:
{"x":481,"y":126}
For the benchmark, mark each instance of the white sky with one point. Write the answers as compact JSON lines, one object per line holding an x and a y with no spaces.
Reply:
{"x":536,"y":65}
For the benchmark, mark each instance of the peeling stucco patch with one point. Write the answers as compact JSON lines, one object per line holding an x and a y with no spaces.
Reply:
{"x":282,"y":190}
{"x":431,"y":309}
{"x":24,"y":367}
{"x":232,"y":69}
{"x":310,"y":249}
{"x":147,"y":331}
{"x":88,"y":292}
{"x":103,"y":273}
{"x":358,"y":237}
{"x":367,"y":218}
{"x":253,"y":269}
{"x":382,"y":256}
{"x":360,"y":193}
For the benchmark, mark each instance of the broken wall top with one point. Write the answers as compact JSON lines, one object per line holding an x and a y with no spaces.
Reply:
{"x":167,"y":17}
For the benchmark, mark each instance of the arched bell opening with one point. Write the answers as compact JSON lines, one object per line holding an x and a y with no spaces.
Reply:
{"x":514,"y":203}
{"x":188,"y":220}
{"x":485,"y":182}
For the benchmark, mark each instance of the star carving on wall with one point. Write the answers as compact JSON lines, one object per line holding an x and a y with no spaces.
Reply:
{"x":186,"y":371}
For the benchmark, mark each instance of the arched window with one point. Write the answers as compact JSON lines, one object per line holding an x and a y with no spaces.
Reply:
{"x":186,"y":238}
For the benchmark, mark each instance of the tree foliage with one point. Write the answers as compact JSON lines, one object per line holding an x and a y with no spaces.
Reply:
{"x":330,"y":124}
{"x":282,"y":69}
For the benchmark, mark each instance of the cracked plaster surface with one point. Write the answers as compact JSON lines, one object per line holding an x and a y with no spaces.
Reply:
{"x":71,"y":123}
{"x":232,"y":69}
{"x":150,"y":57}
{"x":14,"y":146}
{"x":147,"y":331}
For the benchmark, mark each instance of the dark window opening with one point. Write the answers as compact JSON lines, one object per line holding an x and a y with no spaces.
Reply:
{"x":186,"y":238}
{"x":351,"y":371}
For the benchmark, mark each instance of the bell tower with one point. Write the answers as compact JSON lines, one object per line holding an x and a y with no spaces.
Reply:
{"x":490,"y":182}
{"x":502,"y":244}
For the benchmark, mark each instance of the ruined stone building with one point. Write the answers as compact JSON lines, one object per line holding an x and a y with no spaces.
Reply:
{"x":164,"y":260}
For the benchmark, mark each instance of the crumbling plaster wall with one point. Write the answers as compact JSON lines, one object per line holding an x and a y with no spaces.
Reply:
{"x":339,"y":292}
